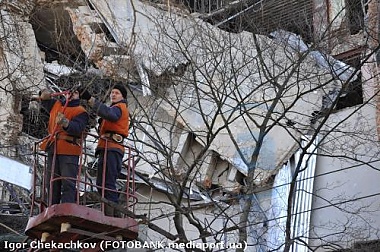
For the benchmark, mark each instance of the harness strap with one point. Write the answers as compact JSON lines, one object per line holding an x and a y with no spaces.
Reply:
{"x":114,"y":137}
{"x":70,"y":139}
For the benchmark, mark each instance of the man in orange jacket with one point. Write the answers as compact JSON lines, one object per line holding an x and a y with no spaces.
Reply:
{"x":63,"y":146}
{"x":114,"y":128}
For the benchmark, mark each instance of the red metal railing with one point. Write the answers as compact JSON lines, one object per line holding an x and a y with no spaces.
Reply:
{"x":85,"y":183}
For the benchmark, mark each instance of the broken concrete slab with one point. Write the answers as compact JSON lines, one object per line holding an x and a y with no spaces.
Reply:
{"x":162,"y":40}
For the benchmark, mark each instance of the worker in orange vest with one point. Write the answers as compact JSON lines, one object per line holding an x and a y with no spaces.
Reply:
{"x":114,"y":128}
{"x":67,"y":122}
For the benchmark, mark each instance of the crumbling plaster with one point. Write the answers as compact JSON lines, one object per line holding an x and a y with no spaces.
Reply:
{"x":160,"y":41}
{"x":221,"y":156}
{"x":149,"y":37}
{"x":21,"y":72}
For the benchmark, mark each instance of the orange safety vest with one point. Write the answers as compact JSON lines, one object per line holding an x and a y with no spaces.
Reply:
{"x":121,"y":127}
{"x":64,"y":147}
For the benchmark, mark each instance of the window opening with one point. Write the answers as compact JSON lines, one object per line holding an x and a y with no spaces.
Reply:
{"x":352,"y":94}
{"x":355,"y":15}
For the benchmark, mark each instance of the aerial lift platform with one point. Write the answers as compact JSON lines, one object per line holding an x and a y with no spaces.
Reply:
{"x":83,"y":222}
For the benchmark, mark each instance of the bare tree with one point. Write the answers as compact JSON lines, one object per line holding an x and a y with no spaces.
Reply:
{"x":242,"y":98}
{"x":226,"y":112}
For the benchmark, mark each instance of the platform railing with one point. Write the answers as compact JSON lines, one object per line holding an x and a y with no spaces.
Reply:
{"x":87,"y":192}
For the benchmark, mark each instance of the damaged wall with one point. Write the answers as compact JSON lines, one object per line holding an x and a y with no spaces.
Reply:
{"x":136,"y":33}
{"x":347,"y":183}
{"x":191,"y":62}
{"x":335,"y":18}
{"x":21,"y":73}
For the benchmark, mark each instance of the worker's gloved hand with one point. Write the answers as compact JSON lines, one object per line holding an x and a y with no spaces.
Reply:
{"x":62,"y":120}
{"x":45,"y":94}
{"x":84,"y":94}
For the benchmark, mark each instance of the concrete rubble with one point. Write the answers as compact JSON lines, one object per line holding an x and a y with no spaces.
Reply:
{"x":136,"y":31}
{"x":157,"y":49}
{"x":125,"y":39}
{"x":122,"y":42}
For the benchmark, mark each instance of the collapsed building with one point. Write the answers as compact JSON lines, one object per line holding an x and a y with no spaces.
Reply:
{"x":200,"y":91}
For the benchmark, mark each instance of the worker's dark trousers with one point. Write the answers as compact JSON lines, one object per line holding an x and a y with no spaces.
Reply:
{"x":64,"y":190}
{"x":113,"y":168}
